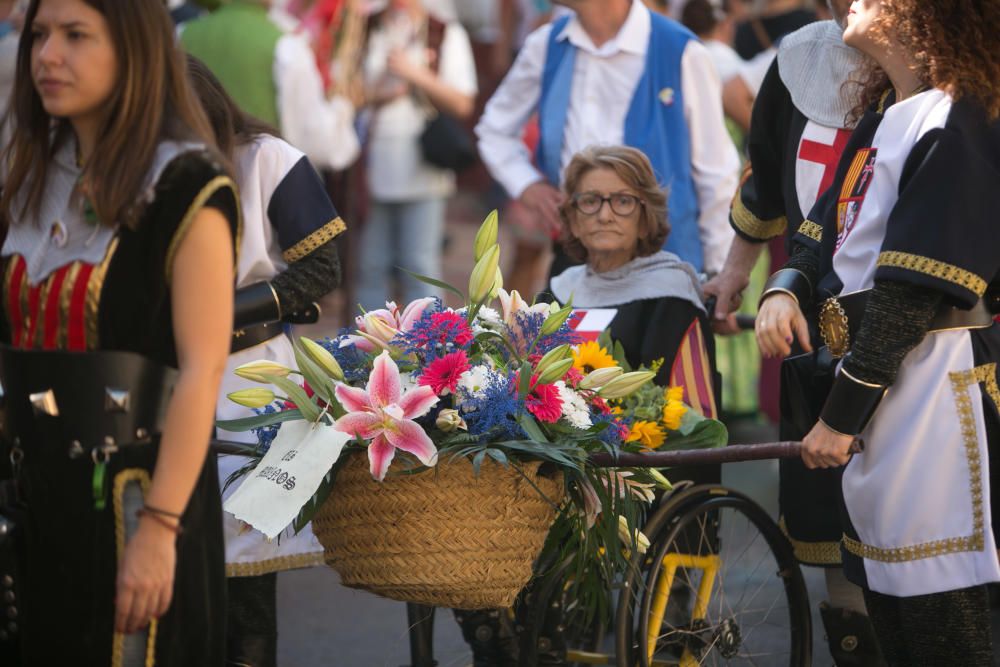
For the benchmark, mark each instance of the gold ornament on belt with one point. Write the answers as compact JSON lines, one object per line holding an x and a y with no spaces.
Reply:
{"x":833,"y":327}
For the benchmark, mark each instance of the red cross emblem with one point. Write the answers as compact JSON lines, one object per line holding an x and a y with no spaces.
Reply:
{"x":826,"y":155}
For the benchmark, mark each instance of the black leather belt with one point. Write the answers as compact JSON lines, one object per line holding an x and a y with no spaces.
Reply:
{"x":83,"y":401}
{"x":840,"y":319}
{"x":255,"y":335}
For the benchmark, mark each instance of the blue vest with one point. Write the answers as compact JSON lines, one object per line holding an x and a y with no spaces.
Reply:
{"x":655,"y":124}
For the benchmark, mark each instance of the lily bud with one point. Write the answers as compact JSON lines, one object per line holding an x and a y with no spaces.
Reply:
{"x":660,"y":480}
{"x":599,"y":377}
{"x":556,"y":319}
{"x":322,"y":358}
{"x":448,"y":420}
{"x":256,"y":370}
{"x":497,"y":284}
{"x":487,"y":235}
{"x":256,"y":397}
{"x":484,"y":274}
{"x":552,"y":356}
{"x":629,"y":537}
{"x":378,"y":328}
{"x":626,"y":384}
{"x":555,"y":371}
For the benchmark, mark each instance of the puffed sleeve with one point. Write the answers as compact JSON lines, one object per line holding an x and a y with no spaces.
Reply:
{"x":758,"y":212}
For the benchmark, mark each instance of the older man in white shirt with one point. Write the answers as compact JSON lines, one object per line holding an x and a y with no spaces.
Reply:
{"x":615,"y":73}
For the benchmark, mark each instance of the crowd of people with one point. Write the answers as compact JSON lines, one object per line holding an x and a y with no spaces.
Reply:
{"x":650,"y":157}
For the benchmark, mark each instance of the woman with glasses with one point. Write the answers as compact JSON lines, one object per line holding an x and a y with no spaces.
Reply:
{"x":615,"y":222}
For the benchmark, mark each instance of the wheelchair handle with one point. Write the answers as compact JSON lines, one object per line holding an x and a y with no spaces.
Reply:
{"x":679,"y":457}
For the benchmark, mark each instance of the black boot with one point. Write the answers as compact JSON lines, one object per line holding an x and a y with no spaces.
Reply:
{"x":252,"y":621}
{"x":490,"y":634}
{"x":851,"y":637}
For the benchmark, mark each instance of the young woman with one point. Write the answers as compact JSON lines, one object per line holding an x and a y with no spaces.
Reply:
{"x":288,"y":257}
{"x":901,"y":257}
{"x":117,"y":305}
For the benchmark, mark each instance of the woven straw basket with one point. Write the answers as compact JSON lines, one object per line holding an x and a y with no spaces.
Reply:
{"x":443,"y":537}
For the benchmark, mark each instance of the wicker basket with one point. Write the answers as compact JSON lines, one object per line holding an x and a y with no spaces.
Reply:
{"x":443,"y":537}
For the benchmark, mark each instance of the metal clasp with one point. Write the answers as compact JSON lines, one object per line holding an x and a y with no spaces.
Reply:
{"x":833,"y":327}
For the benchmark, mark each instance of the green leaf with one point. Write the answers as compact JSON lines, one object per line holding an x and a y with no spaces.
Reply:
{"x":497,"y":455}
{"x":477,"y":461}
{"x":313,"y":374}
{"x":531,"y":427}
{"x":706,"y":434}
{"x":434,"y":281}
{"x":298,"y":396}
{"x":258,"y":421}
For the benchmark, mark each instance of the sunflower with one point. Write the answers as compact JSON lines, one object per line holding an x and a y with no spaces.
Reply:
{"x":590,"y":356}
{"x":647,"y":434}
{"x":673,"y":407}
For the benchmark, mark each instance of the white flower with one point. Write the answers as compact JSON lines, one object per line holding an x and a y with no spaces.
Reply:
{"x":473,"y":380}
{"x":574,"y":406}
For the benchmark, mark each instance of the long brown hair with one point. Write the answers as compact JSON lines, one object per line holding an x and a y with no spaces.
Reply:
{"x":232,"y":125}
{"x":953,"y":44}
{"x":152,"y":101}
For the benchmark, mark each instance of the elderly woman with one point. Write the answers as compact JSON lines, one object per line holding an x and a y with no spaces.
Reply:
{"x":900,"y":258}
{"x":615,"y":221}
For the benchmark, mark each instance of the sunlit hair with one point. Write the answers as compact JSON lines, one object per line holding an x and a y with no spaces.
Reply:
{"x":633,"y":167}
{"x":953,"y":44}
{"x":152,"y":101}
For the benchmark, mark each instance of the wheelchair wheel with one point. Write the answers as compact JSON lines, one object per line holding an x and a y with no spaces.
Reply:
{"x":718,"y":586}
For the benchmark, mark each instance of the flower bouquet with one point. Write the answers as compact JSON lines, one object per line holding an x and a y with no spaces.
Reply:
{"x":468,"y":433}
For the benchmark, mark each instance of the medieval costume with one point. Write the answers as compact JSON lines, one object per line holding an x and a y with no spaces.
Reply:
{"x":288,"y":260}
{"x":897,"y":257}
{"x":87,"y":369}
{"x":796,"y":137}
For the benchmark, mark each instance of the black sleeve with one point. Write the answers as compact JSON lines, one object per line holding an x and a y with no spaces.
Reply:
{"x":896,"y":319}
{"x":758,"y":213}
{"x":308,"y":279}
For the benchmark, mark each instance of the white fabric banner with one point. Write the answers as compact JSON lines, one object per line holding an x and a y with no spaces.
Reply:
{"x":271,"y":496}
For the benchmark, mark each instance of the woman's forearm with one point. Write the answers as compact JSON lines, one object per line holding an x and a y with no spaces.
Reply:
{"x":186,"y":434}
{"x":445,"y":98}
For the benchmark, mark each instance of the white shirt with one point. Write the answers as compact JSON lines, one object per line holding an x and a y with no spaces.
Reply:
{"x":321,"y":128}
{"x":604,"y":81}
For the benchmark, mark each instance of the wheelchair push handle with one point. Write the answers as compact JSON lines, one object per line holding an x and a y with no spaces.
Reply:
{"x":730,"y":454}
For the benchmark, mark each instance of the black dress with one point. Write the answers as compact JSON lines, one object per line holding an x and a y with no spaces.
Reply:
{"x":73,"y":519}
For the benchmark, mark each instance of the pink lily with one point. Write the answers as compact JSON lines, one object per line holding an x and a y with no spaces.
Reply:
{"x":378,"y":327}
{"x":383,"y":413}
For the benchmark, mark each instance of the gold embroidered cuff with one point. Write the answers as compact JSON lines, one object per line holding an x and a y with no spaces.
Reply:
{"x":811,"y":230}
{"x":934,"y":268}
{"x":752,"y":226}
{"x":323,"y":235}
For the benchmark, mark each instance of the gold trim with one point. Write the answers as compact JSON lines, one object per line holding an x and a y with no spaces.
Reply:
{"x":813,"y":553}
{"x":881,"y":101}
{"x":43,"y":301}
{"x":960,"y":382}
{"x":25,"y":305}
{"x":196,"y":205}
{"x":324,"y":234}
{"x":932,"y":267}
{"x":65,"y":299}
{"x":811,"y":230}
{"x":277,"y":564}
{"x":855,"y":380}
{"x":92,"y":300}
{"x":121,"y":479}
{"x":754,"y":227}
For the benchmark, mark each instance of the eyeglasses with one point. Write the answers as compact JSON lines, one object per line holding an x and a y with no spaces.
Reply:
{"x":621,"y":203}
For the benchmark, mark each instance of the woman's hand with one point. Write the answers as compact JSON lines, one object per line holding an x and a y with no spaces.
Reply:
{"x":403,"y":66}
{"x":778,"y":319}
{"x":825,"y":448}
{"x":145,"y":577}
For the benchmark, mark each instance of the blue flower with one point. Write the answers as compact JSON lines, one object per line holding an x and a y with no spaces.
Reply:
{"x":355,"y":363}
{"x":492,"y":413}
{"x":265,"y":434}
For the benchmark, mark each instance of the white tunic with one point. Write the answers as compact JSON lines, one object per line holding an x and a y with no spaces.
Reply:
{"x":918,"y":496}
{"x":261,"y":166}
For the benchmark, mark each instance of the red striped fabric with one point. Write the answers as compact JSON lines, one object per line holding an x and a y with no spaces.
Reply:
{"x":14,"y":300}
{"x":691,"y":370}
{"x":76,"y":338}
{"x":50,"y":331}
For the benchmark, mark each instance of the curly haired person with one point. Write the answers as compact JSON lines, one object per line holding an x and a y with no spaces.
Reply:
{"x":899,"y":259}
